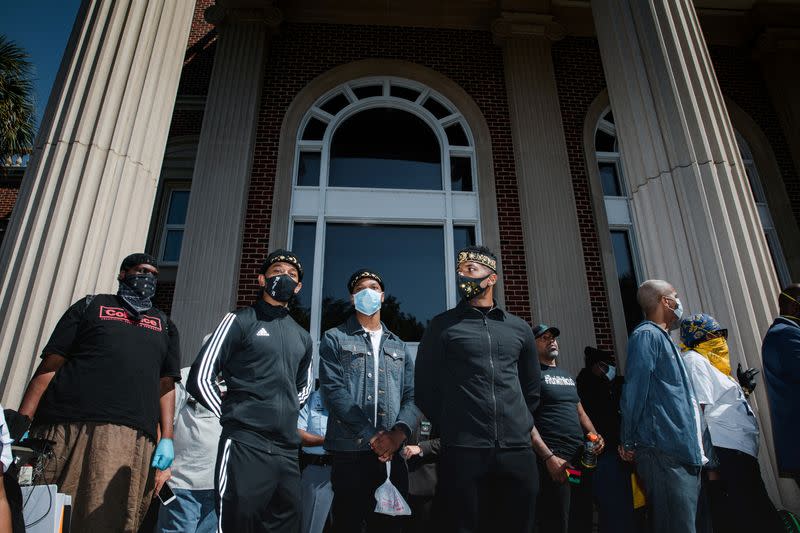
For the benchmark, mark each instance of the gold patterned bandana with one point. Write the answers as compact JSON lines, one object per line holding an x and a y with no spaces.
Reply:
{"x":283,"y":256}
{"x":477,"y":257}
{"x":358,"y":275}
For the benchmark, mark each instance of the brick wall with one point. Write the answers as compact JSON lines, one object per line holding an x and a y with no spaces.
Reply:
{"x":579,"y":78}
{"x":165,"y":290}
{"x":199,"y":53}
{"x":8,"y":197}
{"x":741,"y":80}
{"x":302,"y":52}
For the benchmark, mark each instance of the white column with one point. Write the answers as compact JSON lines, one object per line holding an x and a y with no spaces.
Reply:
{"x":693,"y":209}
{"x":556,"y":271}
{"x":88,"y":191}
{"x":208,"y":273}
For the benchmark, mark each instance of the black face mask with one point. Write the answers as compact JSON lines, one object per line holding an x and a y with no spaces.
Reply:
{"x":280,"y":287}
{"x":470,"y":288}
{"x":142,"y":285}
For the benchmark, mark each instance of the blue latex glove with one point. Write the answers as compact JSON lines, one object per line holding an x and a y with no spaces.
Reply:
{"x":164,"y":455}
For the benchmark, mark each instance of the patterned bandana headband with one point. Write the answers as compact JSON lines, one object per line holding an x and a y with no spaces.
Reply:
{"x":477,"y":257}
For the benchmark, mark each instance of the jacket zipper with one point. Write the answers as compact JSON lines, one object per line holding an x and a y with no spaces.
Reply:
{"x":491,"y":365}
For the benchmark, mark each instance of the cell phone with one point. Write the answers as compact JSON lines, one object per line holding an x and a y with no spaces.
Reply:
{"x":166,"y":495}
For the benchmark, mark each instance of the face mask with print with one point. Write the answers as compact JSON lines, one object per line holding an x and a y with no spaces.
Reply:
{"x":470,"y":288}
{"x":280,"y":287}
{"x":367,"y":301}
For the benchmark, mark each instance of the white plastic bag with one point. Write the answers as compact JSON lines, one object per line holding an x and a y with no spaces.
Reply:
{"x":389,"y":499}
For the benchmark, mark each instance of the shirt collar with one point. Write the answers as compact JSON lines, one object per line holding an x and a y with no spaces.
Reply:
{"x":464,"y":307}
{"x":263,"y":309}
{"x":354,"y":327}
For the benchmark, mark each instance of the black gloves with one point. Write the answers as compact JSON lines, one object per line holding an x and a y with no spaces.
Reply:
{"x":747,"y":378}
{"x":17,"y":424}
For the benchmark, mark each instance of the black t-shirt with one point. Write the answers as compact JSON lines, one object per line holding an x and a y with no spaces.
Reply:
{"x":114,"y":365}
{"x":557,"y":416}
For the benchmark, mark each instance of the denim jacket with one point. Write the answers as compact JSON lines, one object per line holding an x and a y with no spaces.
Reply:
{"x":347,"y":384}
{"x":658,"y":406}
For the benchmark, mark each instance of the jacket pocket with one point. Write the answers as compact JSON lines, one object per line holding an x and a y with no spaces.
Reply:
{"x":353,"y":358}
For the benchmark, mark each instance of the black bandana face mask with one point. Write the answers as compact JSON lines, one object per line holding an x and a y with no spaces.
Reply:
{"x":470,"y":288}
{"x":280,"y":287}
{"x":142,"y":285}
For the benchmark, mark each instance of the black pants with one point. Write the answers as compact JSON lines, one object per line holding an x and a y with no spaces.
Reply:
{"x":256,"y":490}
{"x":748,"y":506}
{"x":564,"y":507}
{"x":488,"y":489}
{"x":354,"y":478}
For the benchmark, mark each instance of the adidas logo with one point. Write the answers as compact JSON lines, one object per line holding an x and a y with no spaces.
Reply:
{"x":262,"y":333}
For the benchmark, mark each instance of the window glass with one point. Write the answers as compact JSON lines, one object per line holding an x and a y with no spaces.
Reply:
{"x":367,"y":91}
{"x":303,"y":247}
{"x":437,"y":110}
{"x":404,"y":92}
{"x":461,"y":174}
{"x":609,"y":179}
{"x":178,"y":202}
{"x":308,"y":169}
{"x":334,"y":104}
{"x":603,"y":142}
{"x":172,"y":245}
{"x":315,"y":130}
{"x":456,"y":136}
{"x":623,"y":255}
{"x":414,"y":275}
{"x":385,"y":148}
{"x":463,"y":236}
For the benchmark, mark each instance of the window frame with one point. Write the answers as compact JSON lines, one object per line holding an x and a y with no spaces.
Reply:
{"x":605,"y":209}
{"x":756,"y":186}
{"x":452,"y":214}
{"x":170,"y":187}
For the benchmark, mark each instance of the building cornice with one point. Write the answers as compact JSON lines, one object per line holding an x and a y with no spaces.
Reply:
{"x":526,"y":26}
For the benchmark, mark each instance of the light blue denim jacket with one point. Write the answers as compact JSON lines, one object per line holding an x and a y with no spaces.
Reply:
{"x":347,"y":384}
{"x":658,"y":406}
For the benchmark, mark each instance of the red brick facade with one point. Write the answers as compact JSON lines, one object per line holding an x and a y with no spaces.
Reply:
{"x":8,"y":197}
{"x":302,"y":52}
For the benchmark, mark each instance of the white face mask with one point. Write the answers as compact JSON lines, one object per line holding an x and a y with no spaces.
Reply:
{"x":678,"y":312}
{"x":611,"y":372}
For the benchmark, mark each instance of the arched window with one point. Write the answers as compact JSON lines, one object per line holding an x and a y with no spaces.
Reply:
{"x":770,"y":232}
{"x":384,"y":178}
{"x":616,"y":198}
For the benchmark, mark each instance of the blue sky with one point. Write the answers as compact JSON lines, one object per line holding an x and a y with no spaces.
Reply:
{"x":42,"y":28}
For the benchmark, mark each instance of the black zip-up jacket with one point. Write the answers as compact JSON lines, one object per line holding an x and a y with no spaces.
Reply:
{"x":477,"y":378}
{"x":264,"y":356}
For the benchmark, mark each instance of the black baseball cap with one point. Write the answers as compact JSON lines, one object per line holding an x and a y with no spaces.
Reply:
{"x":541,"y":329}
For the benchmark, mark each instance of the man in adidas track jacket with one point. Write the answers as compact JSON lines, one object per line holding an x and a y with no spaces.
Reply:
{"x":264,"y":357}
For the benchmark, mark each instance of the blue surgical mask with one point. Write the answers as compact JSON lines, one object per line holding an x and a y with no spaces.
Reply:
{"x":611,"y":372}
{"x":367,"y":301}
